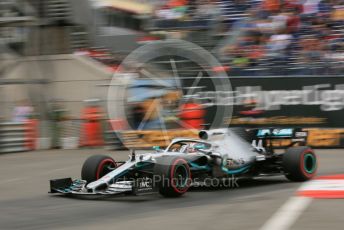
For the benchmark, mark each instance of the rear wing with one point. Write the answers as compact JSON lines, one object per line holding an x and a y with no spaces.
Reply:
{"x":263,"y":138}
{"x":281,"y":133}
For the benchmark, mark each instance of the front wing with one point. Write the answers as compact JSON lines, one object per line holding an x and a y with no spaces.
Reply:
{"x":78,"y":187}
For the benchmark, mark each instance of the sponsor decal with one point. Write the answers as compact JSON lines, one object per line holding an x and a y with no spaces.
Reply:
{"x":320,"y":94}
{"x":143,"y":185}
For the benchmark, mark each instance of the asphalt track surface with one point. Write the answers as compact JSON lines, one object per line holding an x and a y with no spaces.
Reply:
{"x":26,"y":204}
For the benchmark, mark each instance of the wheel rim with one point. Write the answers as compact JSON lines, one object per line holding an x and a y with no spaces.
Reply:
{"x":105,"y":167}
{"x":309,"y":163}
{"x":180,"y":176}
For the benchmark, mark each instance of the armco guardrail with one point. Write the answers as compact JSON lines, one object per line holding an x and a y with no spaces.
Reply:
{"x":13,"y":137}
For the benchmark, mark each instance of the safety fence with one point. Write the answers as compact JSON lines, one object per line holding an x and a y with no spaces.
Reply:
{"x":18,"y":136}
{"x":26,"y":136}
{"x":66,"y":134}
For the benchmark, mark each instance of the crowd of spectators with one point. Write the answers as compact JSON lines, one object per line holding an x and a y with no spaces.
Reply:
{"x":268,"y":37}
{"x":187,"y":14}
{"x":301,"y":36}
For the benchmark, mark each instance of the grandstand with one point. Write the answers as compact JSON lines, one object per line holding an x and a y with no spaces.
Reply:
{"x":250,"y":37}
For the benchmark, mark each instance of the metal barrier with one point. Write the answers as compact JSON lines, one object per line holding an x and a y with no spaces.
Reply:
{"x":13,"y":137}
{"x":18,"y":137}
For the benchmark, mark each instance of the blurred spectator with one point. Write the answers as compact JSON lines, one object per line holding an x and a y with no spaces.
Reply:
{"x":207,"y":9}
{"x":240,"y":60}
{"x":310,"y":7}
{"x":271,"y":5}
{"x":174,"y":9}
{"x":311,"y":49}
{"x":338,"y":14}
{"x":278,"y":43}
{"x":256,"y":53}
{"x":22,"y":112}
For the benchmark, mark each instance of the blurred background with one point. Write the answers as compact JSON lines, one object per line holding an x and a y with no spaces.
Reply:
{"x":58,"y":58}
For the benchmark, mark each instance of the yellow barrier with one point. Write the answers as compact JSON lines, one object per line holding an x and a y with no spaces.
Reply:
{"x":150,"y":138}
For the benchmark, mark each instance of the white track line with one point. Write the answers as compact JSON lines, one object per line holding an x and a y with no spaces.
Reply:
{"x":288,"y":214}
{"x":11,"y":180}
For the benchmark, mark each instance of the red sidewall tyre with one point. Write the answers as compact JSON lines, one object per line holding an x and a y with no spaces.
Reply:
{"x":181,"y":163}
{"x":175,"y":176}
{"x":300,"y":163}
{"x":96,"y":167}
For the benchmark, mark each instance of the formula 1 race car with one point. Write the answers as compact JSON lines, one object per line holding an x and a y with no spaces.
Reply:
{"x":219,"y":154}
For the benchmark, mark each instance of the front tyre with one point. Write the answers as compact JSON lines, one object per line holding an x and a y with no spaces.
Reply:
{"x":174,"y":176}
{"x":300,"y":163}
{"x":96,"y":167}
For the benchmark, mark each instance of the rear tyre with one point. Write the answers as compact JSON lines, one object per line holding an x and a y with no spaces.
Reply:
{"x":299,"y":163}
{"x":96,"y":167}
{"x":174,"y":176}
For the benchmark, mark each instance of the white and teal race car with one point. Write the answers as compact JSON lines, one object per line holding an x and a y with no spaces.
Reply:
{"x":217,"y":156}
